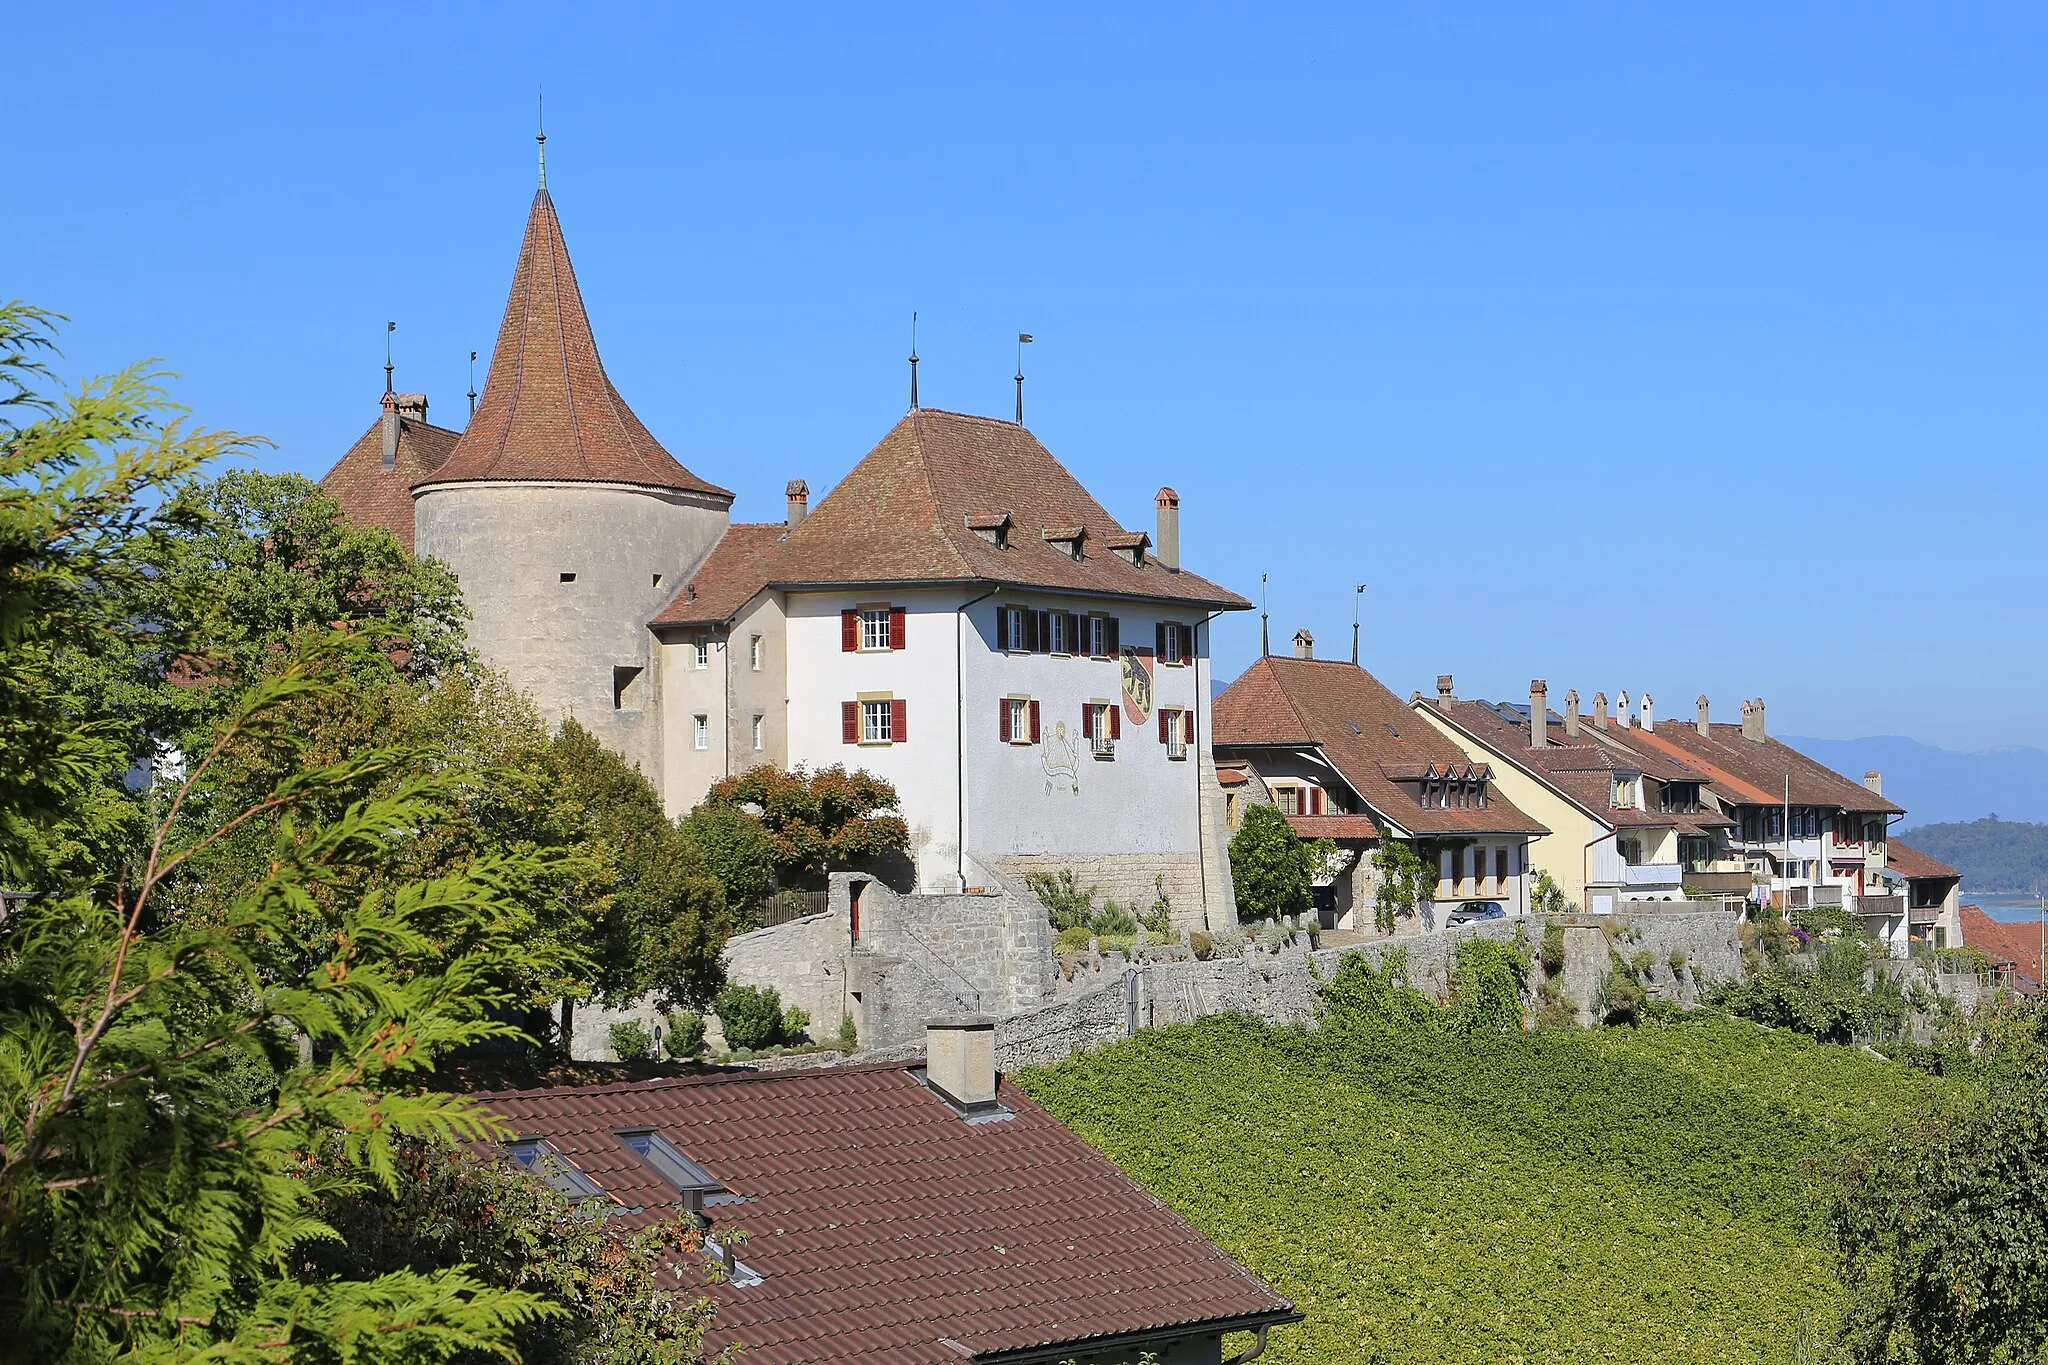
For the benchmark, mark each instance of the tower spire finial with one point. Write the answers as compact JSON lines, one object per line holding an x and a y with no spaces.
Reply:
{"x":472,"y":383}
{"x":1023,"y":340}
{"x":913,"y":361}
{"x":540,"y":119}
{"x":389,"y":328}
{"x":1265,"y":639}
{"x":1356,"y":594}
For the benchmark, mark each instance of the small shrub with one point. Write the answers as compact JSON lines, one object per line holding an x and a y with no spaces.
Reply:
{"x":1967,"y":958}
{"x":794,"y":1028}
{"x":685,"y":1034}
{"x":750,"y":1015}
{"x":1202,"y":946}
{"x":631,"y":1041}
{"x":1676,"y":961}
{"x":1551,"y":952}
{"x":1074,"y":940}
{"x":849,"y":1037}
{"x":1549,"y":898}
{"x":1115,"y":921}
{"x":1641,"y":963}
{"x":1127,"y":944}
{"x":1066,"y":904}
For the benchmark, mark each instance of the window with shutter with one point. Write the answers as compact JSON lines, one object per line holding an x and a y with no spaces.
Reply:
{"x":1116,"y":729}
{"x":1003,"y":615}
{"x":1088,"y":710}
{"x":1116,"y":637}
{"x":1159,"y":641}
{"x":1034,"y":722}
{"x":1187,"y":727}
{"x":1039,"y":631}
{"x":849,"y":630}
{"x":849,"y":722}
{"x":1003,"y":705}
{"x":1165,"y":724}
{"x":896,"y":628}
{"x":875,"y":629}
{"x":899,"y":723}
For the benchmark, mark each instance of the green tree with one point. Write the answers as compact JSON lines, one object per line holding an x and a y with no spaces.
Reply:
{"x":1269,"y":866}
{"x":736,"y":850}
{"x":1943,"y":1230}
{"x":818,"y":823}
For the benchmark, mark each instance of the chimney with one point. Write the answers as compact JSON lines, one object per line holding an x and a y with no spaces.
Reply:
{"x":1539,"y":713}
{"x":1704,"y":726}
{"x":1874,"y":780}
{"x":960,"y":1059}
{"x":1304,"y":644}
{"x":1166,"y":545}
{"x":1649,"y":723}
{"x":1571,"y":714}
{"x":1621,"y":707}
{"x":1443,"y":691}
{"x":799,"y":494}
{"x":1599,"y":710}
{"x":1753,"y":721}
{"x":412,"y":407}
{"x":388,"y":429}
{"x":1761,"y":732}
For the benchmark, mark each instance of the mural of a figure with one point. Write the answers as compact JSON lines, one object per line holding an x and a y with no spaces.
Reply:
{"x":1062,"y":762}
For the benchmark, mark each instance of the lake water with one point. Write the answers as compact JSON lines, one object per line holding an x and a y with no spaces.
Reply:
{"x":2020,"y":909}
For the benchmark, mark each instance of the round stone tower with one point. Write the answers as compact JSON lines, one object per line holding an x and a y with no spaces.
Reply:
{"x":567,"y":523}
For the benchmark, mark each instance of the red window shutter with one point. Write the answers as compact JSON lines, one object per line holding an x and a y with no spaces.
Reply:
{"x":1165,"y":726}
{"x":1187,"y":727}
{"x":1116,"y":729}
{"x":1087,"y":720}
{"x":1317,"y":801}
{"x":1003,"y":719}
{"x":849,"y":721}
{"x":896,"y":628}
{"x":1116,"y":638}
{"x":899,"y":727}
{"x":849,"y":631}
{"x":1034,"y":722}
{"x":1003,"y":630}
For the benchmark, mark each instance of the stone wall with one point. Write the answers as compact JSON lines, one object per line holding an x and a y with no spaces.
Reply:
{"x":1127,"y":878}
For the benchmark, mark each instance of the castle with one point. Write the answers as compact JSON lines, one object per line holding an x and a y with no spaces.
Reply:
{"x":958,"y":616}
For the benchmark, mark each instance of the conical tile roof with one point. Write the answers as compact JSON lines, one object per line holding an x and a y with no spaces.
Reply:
{"x":549,"y":411}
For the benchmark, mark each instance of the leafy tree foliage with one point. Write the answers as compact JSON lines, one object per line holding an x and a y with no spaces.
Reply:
{"x":1992,"y":854}
{"x":1487,"y":981}
{"x":736,"y":850}
{"x":818,"y":823}
{"x":1837,"y":999}
{"x":1404,"y":881}
{"x":1269,"y":866}
{"x":752,"y":1016}
{"x":1943,"y":1229}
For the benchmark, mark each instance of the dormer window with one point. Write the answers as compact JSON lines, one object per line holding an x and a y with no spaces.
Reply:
{"x":1130,"y":547}
{"x":1067,"y":538}
{"x":1624,"y":791}
{"x":692,"y":1182}
{"x":537,"y":1156}
{"x":993,"y":527}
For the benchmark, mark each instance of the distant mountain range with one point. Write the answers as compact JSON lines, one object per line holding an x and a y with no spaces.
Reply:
{"x":1942,"y":786}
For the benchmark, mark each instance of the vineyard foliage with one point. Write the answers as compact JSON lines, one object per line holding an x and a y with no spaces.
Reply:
{"x":1430,"y":1194}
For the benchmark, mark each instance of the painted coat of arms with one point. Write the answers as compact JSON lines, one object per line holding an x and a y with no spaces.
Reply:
{"x":1137,"y":685}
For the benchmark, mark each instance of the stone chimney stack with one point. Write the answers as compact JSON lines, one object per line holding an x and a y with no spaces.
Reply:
{"x":1304,"y":644}
{"x":1443,"y":691}
{"x":1704,"y":725}
{"x":1649,"y":721}
{"x":1762,"y":732}
{"x":412,"y":407}
{"x":1753,"y":720}
{"x":388,"y":429}
{"x":960,"y":1059}
{"x":1571,"y":714}
{"x":1599,"y":710}
{"x":1539,"y":713}
{"x":799,"y":494}
{"x":1166,"y":544}
{"x":1874,"y":780}
{"x":1621,"y":708}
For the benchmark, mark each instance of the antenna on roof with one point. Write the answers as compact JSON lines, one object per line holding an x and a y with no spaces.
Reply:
{"x":1023,"y":340}
{"x":389,"y":328}
{"x":1357,"y":593}
{"x":1265,"y":640}
{"x":913,"y":361}
{"x":540,"y":120}
{"x":472,"y":383}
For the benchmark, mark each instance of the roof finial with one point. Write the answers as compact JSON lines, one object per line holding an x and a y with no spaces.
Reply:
{"x":389,"y":328}
{"x":1356,"y":594}
{"x":541,"y":123}
{"x":1265,"y":641}
{"x":913,"y":361}
{"x":1023,"y":340}
{"x":472,"y":383}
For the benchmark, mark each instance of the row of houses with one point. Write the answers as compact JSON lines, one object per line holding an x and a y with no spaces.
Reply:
{"x":1615,"y":808}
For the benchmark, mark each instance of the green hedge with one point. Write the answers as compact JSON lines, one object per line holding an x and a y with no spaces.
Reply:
{"x":1429,"y":1195}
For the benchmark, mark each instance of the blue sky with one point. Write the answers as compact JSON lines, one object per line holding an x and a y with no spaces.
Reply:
{"x":1616,"y":345}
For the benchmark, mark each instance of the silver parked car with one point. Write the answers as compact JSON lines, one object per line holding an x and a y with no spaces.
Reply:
{"x":1475,"y":912}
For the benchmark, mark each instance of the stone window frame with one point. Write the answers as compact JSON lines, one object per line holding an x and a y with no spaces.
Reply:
{"x":701,"y":652}
{"x":760,"y":732}
{"x":877,"y":724}
{"x":871,"y":616}
{"x":754,"y":654}
{"x":700,"y":731}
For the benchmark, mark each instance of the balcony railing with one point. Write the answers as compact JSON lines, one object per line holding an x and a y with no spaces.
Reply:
{"x":1651,"y":874}
{"x":1826,"y":895}
{"x":1720,"y":883}
{"x":1887,"y":907}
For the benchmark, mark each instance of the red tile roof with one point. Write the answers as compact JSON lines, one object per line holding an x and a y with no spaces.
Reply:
{"x":729,"y":578}
{"x":1911,"y":862}
{"x":1335,"y":827}
{"x":905,"y":514}
{"x":1755,"y":772}
{"x":370,"y":494}
{"x":549,"y":411}
{"x":885,"y":1227}
{"x":2010,"y":945}
{"x":1364,"y":730}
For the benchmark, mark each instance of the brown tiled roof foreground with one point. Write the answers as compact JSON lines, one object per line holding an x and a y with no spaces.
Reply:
{"x":884,"y":1226}
{"x":372,"y":495}
{"x":549,"y":411}
{"x":2010,"y":945}
{"x":1911,"y":862}
{"x":1364,"y":730}
{"x":1748,"y":771}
